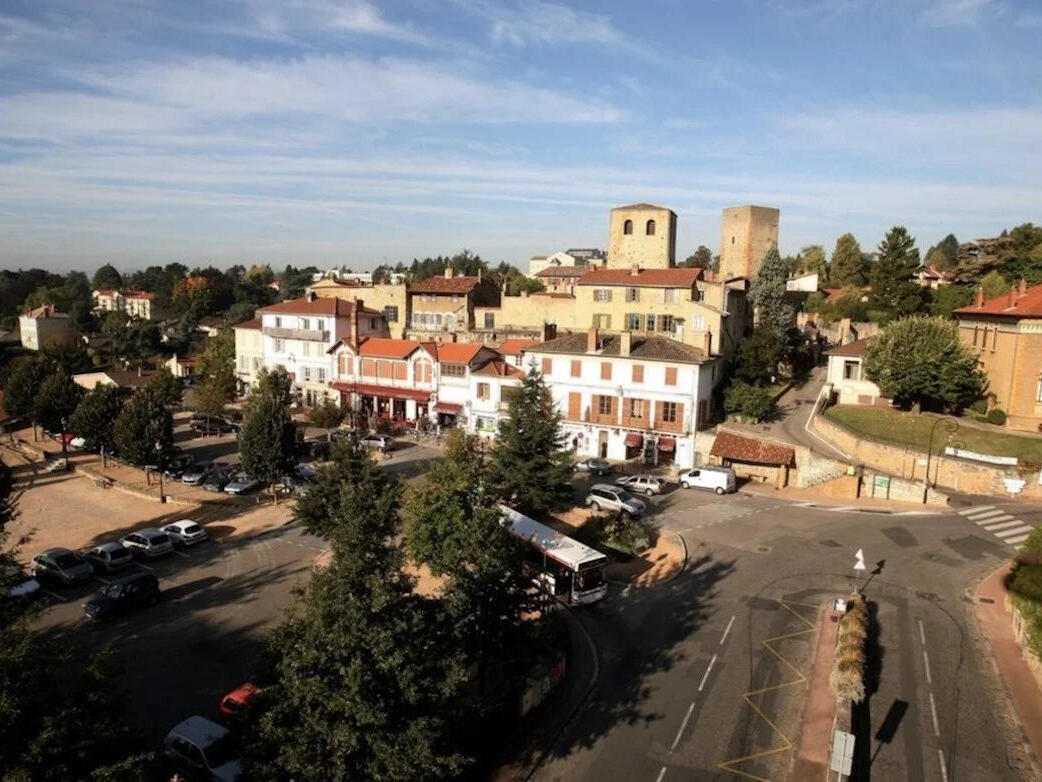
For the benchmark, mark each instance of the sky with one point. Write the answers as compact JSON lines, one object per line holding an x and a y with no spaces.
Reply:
{"x":334,"y":132}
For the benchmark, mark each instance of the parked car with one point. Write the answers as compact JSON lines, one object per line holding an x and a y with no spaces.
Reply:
{"x":218,"y":479}
{"x":296,"y":485}
{"x":212,"y":425}
{"x":195,"y":473}
{"x":234,"y":702}
{"x":718,"y":479}
{"x":241,"y":483}
{"x":201,"y":749}
{"x":61,"y":566}
{"x":16,"y":584}
{"x":595,"y":466}
{"x":642,"y":484}
{"x":318,"y":450}
{"x":186,"y":532}
{"x":379,"y":442}
{"x":148,"y":543}
{"x":177,"y":466}
{"x":109,"y":557}
{"x":604,"y":496}
{"x":123,"y":595}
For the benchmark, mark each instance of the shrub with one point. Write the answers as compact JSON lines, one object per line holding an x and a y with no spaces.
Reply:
{"x":750,"y":401}
{"x":847,"y":678}
{"x":618,"y":532}
{"x":996,"y":416}
{"x":980,"y":407}
{"x":1026,"y":581}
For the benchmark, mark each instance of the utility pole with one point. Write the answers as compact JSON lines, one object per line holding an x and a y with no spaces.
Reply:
{"x":159,"y":466}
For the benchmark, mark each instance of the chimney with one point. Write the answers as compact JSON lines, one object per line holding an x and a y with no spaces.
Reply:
{"x":591,"y":340}
{"x":549,"y":331}
{"x":979,"y":301}
{"x":311,"y":296}
{"x":625,"y":343}
{"x":707,"y":343}
{"x":448,"y":272}
{"x":634,"y":270}
{"x":353,"y":337}
{"x":1022,"y":288}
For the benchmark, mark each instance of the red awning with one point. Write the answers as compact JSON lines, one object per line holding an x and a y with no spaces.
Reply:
{"x":634,"y":440}
{"x":447,"y":407}
{"x":384,"y":392}
{"x":667,"y":443}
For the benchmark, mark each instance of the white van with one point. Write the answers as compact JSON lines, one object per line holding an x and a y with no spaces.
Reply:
{"x":719,"y":479}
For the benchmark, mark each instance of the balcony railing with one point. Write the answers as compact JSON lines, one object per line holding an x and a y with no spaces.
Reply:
{"x":309,"y":335}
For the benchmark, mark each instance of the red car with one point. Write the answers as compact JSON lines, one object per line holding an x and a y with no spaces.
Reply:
{"x":234,"y":702}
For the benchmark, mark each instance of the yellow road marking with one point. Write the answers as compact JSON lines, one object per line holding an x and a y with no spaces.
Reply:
{"x":800,"y":678}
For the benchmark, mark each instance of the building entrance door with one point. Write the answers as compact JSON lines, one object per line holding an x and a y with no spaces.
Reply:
{"x":602,"y":444}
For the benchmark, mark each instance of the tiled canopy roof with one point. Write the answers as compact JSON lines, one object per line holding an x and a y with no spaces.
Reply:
{"x":729,"y":445}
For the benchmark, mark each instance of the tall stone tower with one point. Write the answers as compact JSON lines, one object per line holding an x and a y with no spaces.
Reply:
{"x":747,"y":233}
{"x":642,"y":235}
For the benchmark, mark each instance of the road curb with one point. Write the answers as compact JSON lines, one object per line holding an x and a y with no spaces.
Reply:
{"x":838,"y":508}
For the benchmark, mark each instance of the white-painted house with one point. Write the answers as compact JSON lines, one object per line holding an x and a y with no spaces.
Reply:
{"x":846,"y":381}
{"x":491,"y":389}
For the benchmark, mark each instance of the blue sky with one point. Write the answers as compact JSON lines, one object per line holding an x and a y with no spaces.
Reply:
{"x":346,"y":131}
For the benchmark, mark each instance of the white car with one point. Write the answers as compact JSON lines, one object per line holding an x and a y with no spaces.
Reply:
{"x":148,"y":543}
{"x":186,"y":532}
{"x":201,"y":749}
{"x":378,"y":441}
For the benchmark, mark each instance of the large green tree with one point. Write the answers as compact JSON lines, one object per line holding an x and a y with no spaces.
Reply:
{"x":949,"y":297}
{"x":993,"y":284}
{"x":327,"y":415}
{"x":56,"y":400}
{"x":365,"y":676}
{"x":943,"y":254}
{"x":895,"y":291}
{"x":847,"y":267}
{"x":167,"y":387}
{"x":216,"y":363}
{"x":531,"y":466}
{"x":767,"y":294}
{"x":267,"y":441}
{"x":23,"y":383}
{"x":95,"y":416}
{"x":144,"y":421}
{"x":106,"y":277}
{"x":759,"y":355}
{"x":702,"y":257}
{"x":921,"y":361}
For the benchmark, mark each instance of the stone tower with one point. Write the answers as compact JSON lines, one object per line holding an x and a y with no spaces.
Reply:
{"x":642,"y":235}
{"x":746,"y":234}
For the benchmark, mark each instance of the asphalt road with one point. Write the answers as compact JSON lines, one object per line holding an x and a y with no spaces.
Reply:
{"x":703,"y":678}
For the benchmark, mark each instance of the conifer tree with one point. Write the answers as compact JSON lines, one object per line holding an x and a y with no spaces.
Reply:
{"x":767,"y":294}
{"x":267,"y":441}
{"x":848,"y":266}
{"x":894,"y":289}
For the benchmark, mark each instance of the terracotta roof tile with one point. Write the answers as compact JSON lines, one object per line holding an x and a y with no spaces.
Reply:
{"x":138,"y":295}
{"x":852,"y":349}
{"x":647,"y":278}
{"x":563,"y":271}
{"x":650,"y":348}
{"x":729,"y":445}
{"x":514,"y":346}
{"x":499,"y":369}
{"x":443,"y":284}
{"x":329,"y":306}
{"x":459,"y":352}
{"x":254,"y":324}
{"x":381,"y":347}
{"x":1015,"y":304}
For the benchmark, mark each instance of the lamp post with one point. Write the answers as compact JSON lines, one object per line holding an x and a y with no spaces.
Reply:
{"x":159,"y":469}
{"x":65,"y":444}
{"x":951,"y":426}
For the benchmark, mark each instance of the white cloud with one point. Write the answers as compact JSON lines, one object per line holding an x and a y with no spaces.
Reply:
{"x":959,"y":13}
{"x":547,"y":24}
{"x":355,"y":16}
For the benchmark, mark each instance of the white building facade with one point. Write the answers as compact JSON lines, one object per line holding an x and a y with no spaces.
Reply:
{"x":629,"y":397}
{"x":846,"y":381}
{"x":492,"y":387}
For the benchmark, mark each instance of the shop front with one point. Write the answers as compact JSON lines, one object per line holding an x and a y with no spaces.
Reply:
{"x":372,"y":404}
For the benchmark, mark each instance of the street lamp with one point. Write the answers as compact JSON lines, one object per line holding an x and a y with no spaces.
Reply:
{"x":951,"y":426}
{"x":65,"y":444}
{"x":159,"y":466}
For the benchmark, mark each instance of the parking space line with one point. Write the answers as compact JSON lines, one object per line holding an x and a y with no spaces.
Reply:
{"x":726,"y":631}
{"x":702,"y":684}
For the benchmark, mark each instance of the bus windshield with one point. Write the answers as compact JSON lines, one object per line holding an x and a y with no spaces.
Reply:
{"x":589,"y":578}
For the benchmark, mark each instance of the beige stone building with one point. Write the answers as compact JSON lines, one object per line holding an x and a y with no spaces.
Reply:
{"x":44,"y":326}
{"x":1006,"y":333}
{"x":391,"y":300}
{"x":442,"y":306}
{"x":746,"y":234}
{"x":642,"y":235}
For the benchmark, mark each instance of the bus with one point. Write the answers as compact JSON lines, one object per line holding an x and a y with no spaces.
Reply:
{"x":572,"y":571}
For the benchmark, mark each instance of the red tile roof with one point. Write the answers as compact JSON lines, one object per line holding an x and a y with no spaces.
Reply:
{"x":1020,"y":302}
{"x":729,"y":445}
{"x":381,"y":347}
{"x":514,"y":345}
{"x":329,"y":306}
{"x":499,"y":369}
{"x":254,"y":324}
{"x":852,"y":349}
{"x":654,"y":278}
{"x":456,"y":285}
{"x":106,"y":292}
{"x":45,"y":311}
{"x":563,"y":271}
{"x":138,"y":295}
{"x":459,"y":352}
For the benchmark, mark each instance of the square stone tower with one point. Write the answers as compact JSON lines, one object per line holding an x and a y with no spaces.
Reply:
{"x":747,"y":233}
{"x":642,"y":235}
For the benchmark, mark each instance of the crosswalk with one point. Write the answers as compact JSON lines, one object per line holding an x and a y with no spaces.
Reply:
{"x":999,"y":523}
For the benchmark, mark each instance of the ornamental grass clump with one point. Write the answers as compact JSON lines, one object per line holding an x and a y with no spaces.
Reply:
{"x":847,"y":680}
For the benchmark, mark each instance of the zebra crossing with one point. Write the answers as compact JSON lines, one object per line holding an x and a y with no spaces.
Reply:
{"x":999,"y":523}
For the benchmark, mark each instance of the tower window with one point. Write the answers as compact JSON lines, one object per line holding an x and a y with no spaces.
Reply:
{"x":649,"y":229}
{"x":627,"y":227}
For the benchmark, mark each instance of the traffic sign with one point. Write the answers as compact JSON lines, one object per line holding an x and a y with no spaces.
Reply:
{"x":842,"y":752}
{"x":859,"y":560}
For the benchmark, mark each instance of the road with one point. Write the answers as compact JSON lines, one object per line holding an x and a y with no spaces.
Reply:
{"x":703,"y":678}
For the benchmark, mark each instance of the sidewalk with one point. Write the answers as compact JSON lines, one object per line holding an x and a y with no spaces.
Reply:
{"x":996,"y":625}
{"x":874,"y":504}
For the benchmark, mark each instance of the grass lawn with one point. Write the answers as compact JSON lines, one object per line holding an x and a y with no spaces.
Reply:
{"x":913,"y":430}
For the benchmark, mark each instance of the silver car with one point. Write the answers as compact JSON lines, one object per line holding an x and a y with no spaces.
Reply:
{"x":642,"y":484}
{"x":594,"y":465}
{"x":148,"y":543}
{"x":604,"y":496}
{"x":62,"y":566}
{"x":109,"y":557}
{"x":241,"y":483}
{"x":186,"y":532}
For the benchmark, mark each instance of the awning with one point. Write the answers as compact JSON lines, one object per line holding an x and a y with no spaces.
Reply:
{"x":448,"y":408}
{"x":384,"y":392}
{"x":634,"y":440}
{"x":667,"y":444}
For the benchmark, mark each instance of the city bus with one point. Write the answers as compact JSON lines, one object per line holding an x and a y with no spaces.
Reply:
{"x":571,"y":571}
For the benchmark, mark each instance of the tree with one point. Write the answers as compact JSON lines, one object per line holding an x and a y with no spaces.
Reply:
{"x":894,"y":288}
{"x":56,"y":400}
{"x":145,"y":421}
{"x":993,"y":285}
{"x":327,"y":415}
{"x":166,"y":387}
{"x":210,"y":399}
{"x":23,"y":383}
{"x":701,"y":257}
{"x":107,"y":278}
{"x":365,"y":679}
{"x":267,"y":441}
{"x":811,"y":260}
{"x":943,"y":254}
{"x":949,"y":297}
{"x":759,"y":356}
{"x":921,"y":361}
{"x":847,"y":267}
{"x":217,"y":363}
{"x":531,"y":466}
{"x":767,"y":294}
{"x":95,"y":416}
{"x":749,"y":401}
